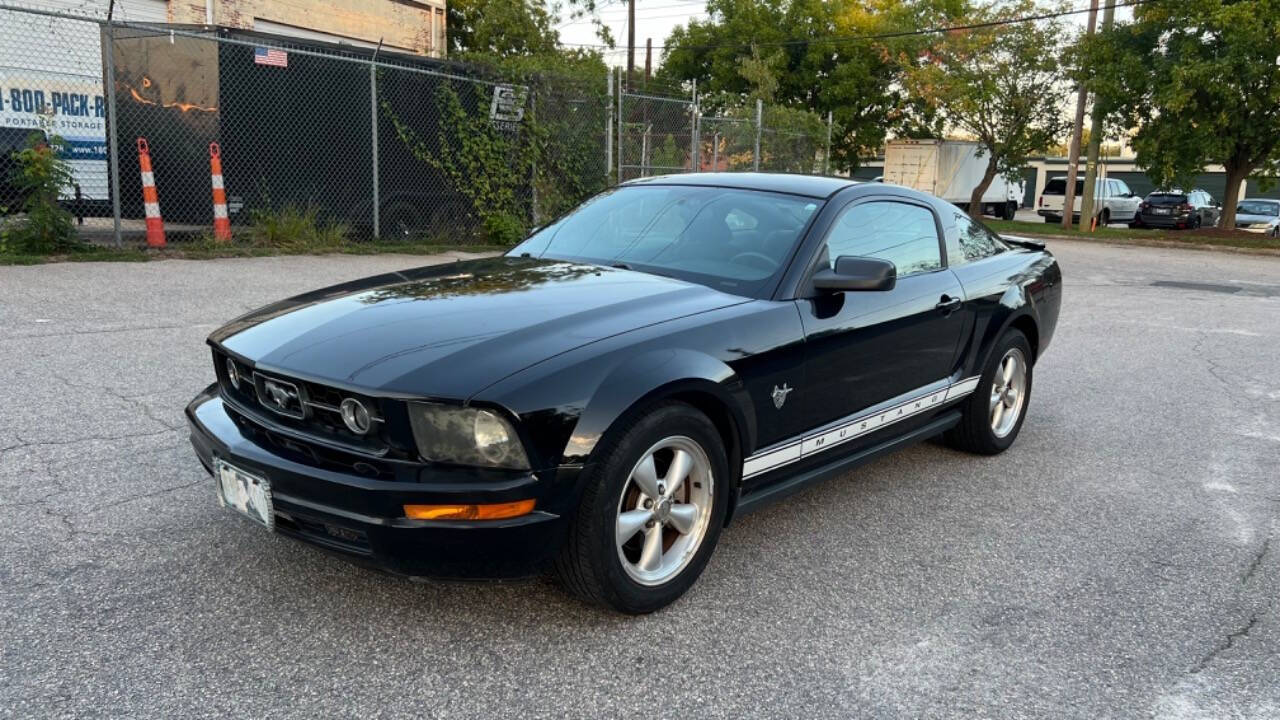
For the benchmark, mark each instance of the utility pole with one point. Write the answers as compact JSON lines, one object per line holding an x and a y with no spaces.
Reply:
{"x":631,"y":41}
{"x":648,"y":61}
{"x":1095,"y":134}
{"x":1077,"y":128}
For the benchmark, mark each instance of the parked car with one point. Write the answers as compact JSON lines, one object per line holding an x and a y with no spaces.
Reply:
{"x":1259,"y":215}
{"x":1178,"y":209}
{"x":607,"y":396}
{"x":1113,"y":201}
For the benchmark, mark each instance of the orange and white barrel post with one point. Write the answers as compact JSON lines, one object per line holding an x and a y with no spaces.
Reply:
{"x":150,"y":200}
{"x":221,"y":223}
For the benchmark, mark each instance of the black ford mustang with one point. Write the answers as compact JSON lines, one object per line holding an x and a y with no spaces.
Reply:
{"x":604,"y":398}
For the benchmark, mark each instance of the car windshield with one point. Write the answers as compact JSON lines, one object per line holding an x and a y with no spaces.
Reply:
{"x":1258,"y":208}
{"x":1166,"y":199}
{"x":733,"y":240}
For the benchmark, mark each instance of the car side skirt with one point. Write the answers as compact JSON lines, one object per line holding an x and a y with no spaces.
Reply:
{"x":918,"y":402}
{"x":769,"y":494}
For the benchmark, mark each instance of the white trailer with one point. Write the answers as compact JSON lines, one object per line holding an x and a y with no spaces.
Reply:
{"x":949,"y":169}
{"x":51,"y":82}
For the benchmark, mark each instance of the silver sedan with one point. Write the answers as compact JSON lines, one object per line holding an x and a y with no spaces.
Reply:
{"x":1259,"y":216}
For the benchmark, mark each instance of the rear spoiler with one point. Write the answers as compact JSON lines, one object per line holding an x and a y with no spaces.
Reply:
{"x":1026,"y":242}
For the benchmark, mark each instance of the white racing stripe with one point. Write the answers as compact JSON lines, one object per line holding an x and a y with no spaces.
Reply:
{"x":855,"y":426}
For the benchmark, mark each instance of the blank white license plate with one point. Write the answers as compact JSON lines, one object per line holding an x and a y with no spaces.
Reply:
{"x":244,"y":492}
{"x":1161,"y":211}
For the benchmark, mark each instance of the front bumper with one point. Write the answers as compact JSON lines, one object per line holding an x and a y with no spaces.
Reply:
{"x":362,"y":518}
{"x":1259,"y":229}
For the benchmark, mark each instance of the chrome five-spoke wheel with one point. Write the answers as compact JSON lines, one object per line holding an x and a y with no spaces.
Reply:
{"x":1008,"y":392}
{"x":663,"y":510}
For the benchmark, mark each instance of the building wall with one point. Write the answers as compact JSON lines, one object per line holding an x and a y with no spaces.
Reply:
{"x":416,"y":26}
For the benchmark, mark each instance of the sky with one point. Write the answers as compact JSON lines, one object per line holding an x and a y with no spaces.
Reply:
{"x":656,"y":18}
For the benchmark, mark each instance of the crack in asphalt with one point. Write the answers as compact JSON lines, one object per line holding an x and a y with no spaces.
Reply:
{"x":1257,"y":561}
{"x":133,"y":400}
{"x":1228,"y":643}
{"x":24,"y":444}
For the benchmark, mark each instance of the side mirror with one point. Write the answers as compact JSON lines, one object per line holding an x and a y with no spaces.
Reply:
{"x":853,"y":273}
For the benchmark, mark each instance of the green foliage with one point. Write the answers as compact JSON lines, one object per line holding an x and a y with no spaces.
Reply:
{"x":999,"y":85}
{"x":799,"y":54}
{"x":500,"y":229}
{"x":295,"y":228}
{"x":40,"y":176}
{"x":487,"y":163}
{"x":1200,"y":82}
{"x":507,"y":28}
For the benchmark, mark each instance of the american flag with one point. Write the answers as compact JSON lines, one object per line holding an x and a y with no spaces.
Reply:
{"x":270,"y":56}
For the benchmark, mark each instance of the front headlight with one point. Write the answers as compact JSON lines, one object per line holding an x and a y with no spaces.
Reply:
{"x":466,"y":436}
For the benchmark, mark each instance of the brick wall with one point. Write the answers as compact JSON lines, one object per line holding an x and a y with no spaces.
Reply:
{"x":405,"y":25}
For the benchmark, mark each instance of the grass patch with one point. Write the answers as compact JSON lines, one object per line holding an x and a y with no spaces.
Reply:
{"x":207,"y":250}
{"x":1205,"y":237}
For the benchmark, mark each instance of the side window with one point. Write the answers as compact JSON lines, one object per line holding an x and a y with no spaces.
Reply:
{"x":1113,"y":188}
{"x":904,"y":234}
{"x":1121,"y":187}
{"x":976,"y":242}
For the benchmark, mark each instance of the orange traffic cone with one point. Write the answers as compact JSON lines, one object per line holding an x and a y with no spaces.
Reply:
{"x":150,"y":200}
{"x":221,"y":224}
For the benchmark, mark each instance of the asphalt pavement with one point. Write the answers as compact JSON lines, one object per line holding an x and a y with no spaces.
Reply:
{"x":1121,"y":560}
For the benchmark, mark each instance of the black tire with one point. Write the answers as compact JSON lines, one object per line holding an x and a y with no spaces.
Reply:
{"x":588,"y":565}
{"x":1104,"y":219}
{"x":1010,"y":211}
{"x":1198,"y":222}
{"x":1050,"y":220}
{"x":974,"y":433}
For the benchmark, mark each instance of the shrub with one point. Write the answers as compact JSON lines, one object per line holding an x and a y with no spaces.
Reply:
{"x":293,"y":227}
{"x":503,"y":229}
{"x":40,"y":175}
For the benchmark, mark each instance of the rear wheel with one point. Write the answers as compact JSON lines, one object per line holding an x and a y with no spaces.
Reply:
{"x":1195,"y":224}
{"x":651,"y":513}
{"x":993,"y":415}
{"x":1010,"y":211}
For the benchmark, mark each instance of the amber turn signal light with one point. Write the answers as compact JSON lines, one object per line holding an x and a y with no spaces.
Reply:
{"x":488,"y":511}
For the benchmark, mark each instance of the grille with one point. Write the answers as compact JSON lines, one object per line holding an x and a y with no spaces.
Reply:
{"x":310,"y":408}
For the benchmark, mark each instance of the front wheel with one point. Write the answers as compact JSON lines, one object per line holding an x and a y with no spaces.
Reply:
{"x":992,"y":416}
{"x":651,"y":512}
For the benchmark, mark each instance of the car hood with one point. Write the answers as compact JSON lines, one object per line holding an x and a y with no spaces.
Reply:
{"x":451,"y":330}
{"x":1244,"y":219}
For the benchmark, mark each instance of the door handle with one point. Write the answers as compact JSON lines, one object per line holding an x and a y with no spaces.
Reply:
{"x":948,"y":304}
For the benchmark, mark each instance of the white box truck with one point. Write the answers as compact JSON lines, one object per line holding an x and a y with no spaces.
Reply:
{"x":949,"y":169}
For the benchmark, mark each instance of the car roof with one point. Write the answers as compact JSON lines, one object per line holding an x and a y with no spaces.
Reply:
{"x":815,"y":186}
{"x":1273,"y":201}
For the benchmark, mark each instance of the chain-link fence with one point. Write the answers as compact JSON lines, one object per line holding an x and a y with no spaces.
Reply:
{"x":137,"y":133}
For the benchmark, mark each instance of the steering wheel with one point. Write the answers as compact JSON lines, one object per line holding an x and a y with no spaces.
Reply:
{"x":769,"y":263}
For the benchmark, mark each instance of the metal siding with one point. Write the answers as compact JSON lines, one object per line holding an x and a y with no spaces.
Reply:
{"x":1255,"y":191}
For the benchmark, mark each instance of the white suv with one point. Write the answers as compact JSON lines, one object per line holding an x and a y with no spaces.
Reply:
{"x":1113,"y":201}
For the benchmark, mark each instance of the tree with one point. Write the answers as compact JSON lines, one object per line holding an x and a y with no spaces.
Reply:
{"x":819,"y":53}
{"x":1199,"y":81}
{"x":505,"y":28}
{"x":998,"y":84}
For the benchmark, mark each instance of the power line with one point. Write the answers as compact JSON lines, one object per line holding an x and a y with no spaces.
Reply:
{"x":836,"y":39}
